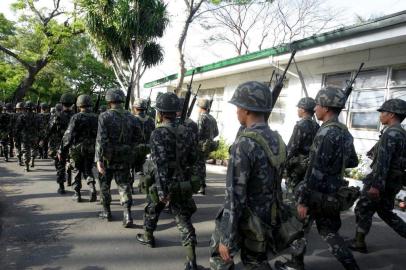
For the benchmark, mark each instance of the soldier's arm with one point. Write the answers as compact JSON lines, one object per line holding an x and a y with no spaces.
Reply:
{"x":294,"y":142}
{"x":161,"y":162}
{"x":238,"y":172}
{"x":68,"y":136}
{"x":352,"y":161}
{"x":385,"y":150}
{"x":101,"y":138}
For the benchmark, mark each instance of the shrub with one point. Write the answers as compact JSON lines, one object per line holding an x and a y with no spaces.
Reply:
{"x":222,"y":151}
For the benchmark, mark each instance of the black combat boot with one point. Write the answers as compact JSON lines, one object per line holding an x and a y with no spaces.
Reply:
{"x":127,"y":218}
{"x":20,"y":162}
{"x":202,"y":190}
{"x":27,"y":167}
{"x":61,"y":189}
{"x":147,"y":238}
{"x":296,"y":263}
{"x":93,"y":193}
{"x":358,"y":243}
{"x":32,"y":163}
{"x":190,"y":258}
{"x":77,"y":197}
{"x":106,"y":213}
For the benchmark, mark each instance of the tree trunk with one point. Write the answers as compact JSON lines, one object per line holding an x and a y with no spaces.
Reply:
{"x":29,"y":80}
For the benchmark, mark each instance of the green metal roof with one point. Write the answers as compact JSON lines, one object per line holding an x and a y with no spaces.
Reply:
{"x":312,"y":41}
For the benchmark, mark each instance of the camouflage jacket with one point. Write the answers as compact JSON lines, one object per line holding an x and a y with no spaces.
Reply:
{"x":387,"y":159}
{"x":166,"y":148}
{"x":147,"y":125}
{"x":207,"y":127}
{"x":332,"y":151}
{"x":59,"y":123}
{"x":27,"y":127}
{"x":44,"y":124}
{"x":250,"y":182}
{"x":117,"y":129}
{"x":192,"y":126}
{"x":5,"y":121}
{"x":82,"y":129}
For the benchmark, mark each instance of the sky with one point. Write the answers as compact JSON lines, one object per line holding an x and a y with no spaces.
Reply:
{"x":200,"y":55}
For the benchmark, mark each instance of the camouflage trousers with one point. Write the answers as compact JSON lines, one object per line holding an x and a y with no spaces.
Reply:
{"x":18,"y":150}
{"x":328,"y":227}
{"x":11,"y":144}
{"x":82,"y":167}
{"x":4,"y":145}
{"x":121,"y":176}
{"x":366,"y":208}
{"x":43,"y":149}
{"x":61,"y":170}
{"x":29,"y":151}
{"x":183,"y":211}
{"x":200,"y":167}
{"x":252,"y":256}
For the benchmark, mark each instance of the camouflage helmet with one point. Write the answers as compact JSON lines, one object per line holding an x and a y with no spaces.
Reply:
{"x":395,"y":105}
{"x":20,"y":105}
{"x":9,"y":106}
{"x":252,"y":96}
{"x":307,"y":103}
{"x":331,"y":97}
{"x":58,"y":107}
{"x":203,"y":103}
{"x":115,"y":95}
{"x":44,"y":106}
{"x":84,"y":101}
{"x":167,"y":102}
{"x":29,"y":105}
{"x":67,"y":98}
{"x":140,"y":103}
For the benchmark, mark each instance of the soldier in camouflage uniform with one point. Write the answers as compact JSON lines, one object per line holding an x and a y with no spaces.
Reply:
{"x":188,"y":122}
{"x":10,"y":112}
{"x":5,"y":122}
{"x":300,"y":143}
{"x":27,"y":129}
{"x":53,"y":141}
{"x":57,"y":127}
{"x":332,"y":151}
{"x":147,"y":125}
{"x":251,"y":183}
{"x":79,"y":142}
{"x":385,"y":180}
{"x":17,"y":138}
{"x":117,"y":136}
{"x":45,"y":117}
{"x":172,"y":154}
{"x":208,"y":130}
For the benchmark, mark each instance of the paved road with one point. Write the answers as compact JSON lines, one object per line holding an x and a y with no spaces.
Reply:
{"x":43,"y":230}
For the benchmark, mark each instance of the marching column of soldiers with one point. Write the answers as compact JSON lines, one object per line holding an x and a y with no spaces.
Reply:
{"x":169,"y":156}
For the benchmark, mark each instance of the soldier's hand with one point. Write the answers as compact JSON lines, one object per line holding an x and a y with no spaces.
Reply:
{"x":100,"y":167}
{"x":302,"y":211}
{"x":373,"y":193}
{"x":402,"y":205}
{"x":224,"y":253}
{"x":165,"y":199}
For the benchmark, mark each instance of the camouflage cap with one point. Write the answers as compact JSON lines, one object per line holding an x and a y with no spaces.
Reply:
{"x":140,"y":103}
{"x":67,"y":98}
{"x":115,"y":95}
{"x":167,"y":102}
{"x":307,"y":103}
{"x":20,"y":105}
{"x":252,"y":96}
{"x":29,"y":105}
{"x":58,"y":107}
{"x":84,"y":101}
{"x":395,"y":105}
{"x":331,"y":97}
{"x":203,"y":103}
{"x":44,"y":106}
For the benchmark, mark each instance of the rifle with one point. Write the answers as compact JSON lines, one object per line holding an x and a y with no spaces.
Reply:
{"x":148,"y":102}
{"x":187,"y":99}
{"x":192,"y":105}
{"x":302,"y":82}
{"x":270,"y":81}
{"x":97,"y":105}
{"x":349,"y":87}
{"x":279,"y":85}
{"x":210,"y":104}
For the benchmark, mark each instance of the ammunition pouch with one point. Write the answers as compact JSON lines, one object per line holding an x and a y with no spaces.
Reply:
{"x":209,"y":146}
{"x":347,"y":197}
{"x":153,"y":193}
{"x":181,"y":191}
{"x":331,"y":204}
{"x":145,"y":183}
{"x":82,"y":149}
{"x":255,"y":232}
